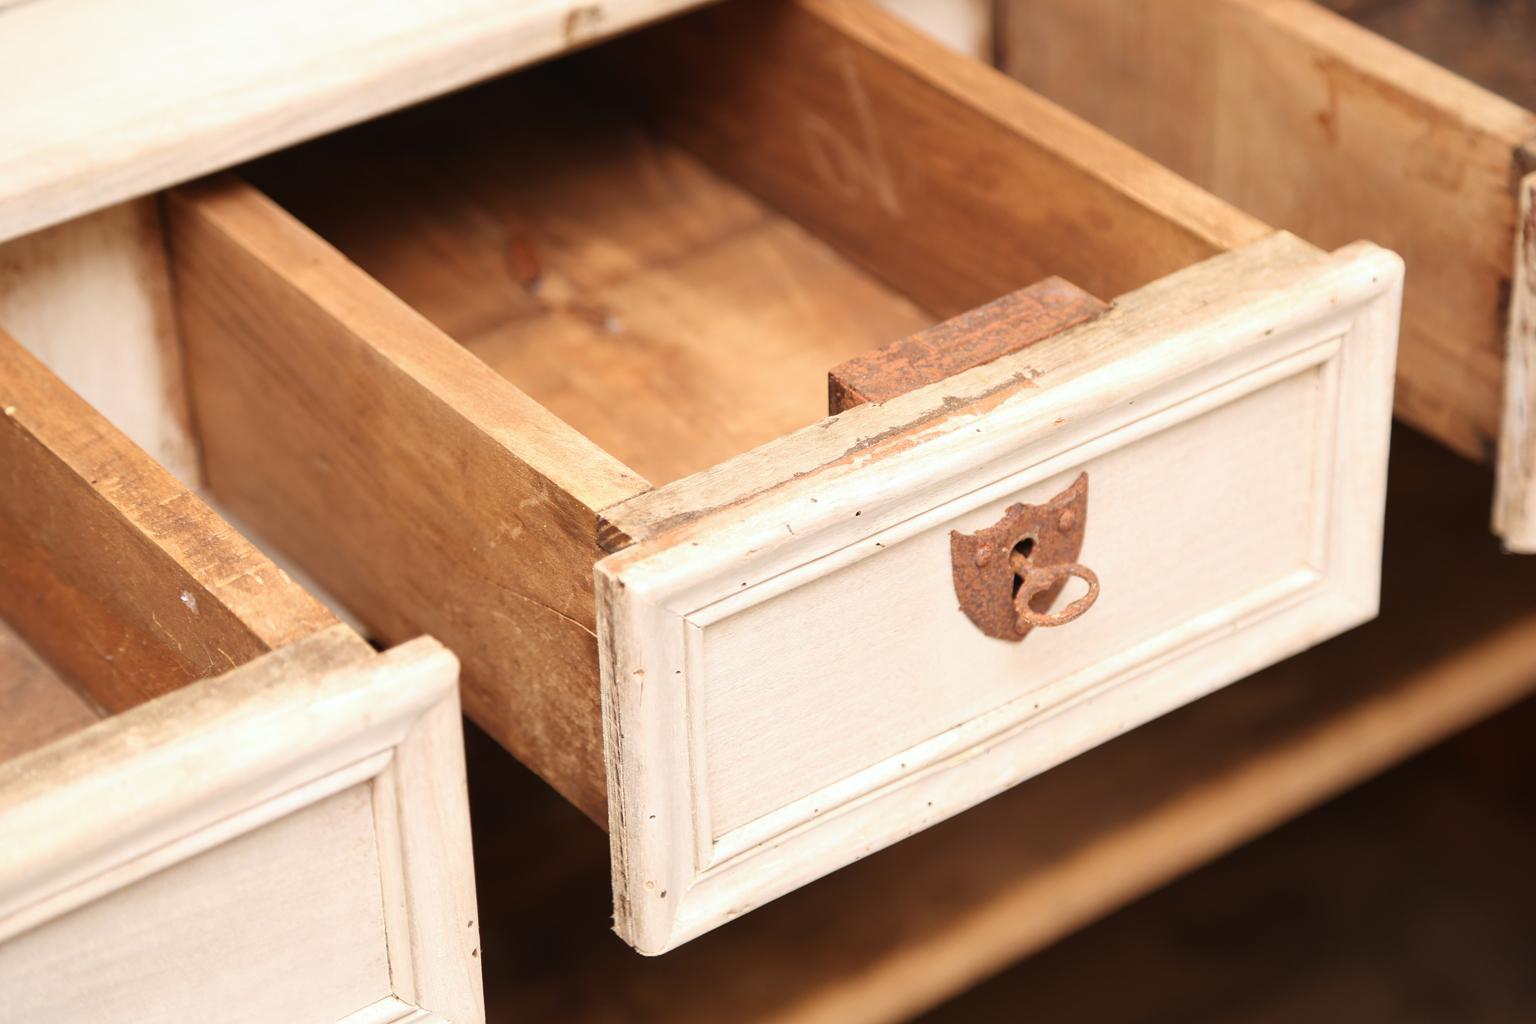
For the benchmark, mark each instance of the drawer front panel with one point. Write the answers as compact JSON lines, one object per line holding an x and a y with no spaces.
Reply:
{"x":884,"y":658}
{"x":289,"y":841}
{"x":282,"y":924}
{"x":788,"y":681}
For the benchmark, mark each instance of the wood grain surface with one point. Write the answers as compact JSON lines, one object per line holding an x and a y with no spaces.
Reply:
{"x":1489,"y":43}
{"x":113,"y":571}
{"x":1317,"y":125}
{"x":663,"y":310}
{"x":925,"y":167}
{"x":652,"y":304}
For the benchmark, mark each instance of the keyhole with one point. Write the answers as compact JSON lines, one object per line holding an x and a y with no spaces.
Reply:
{"x":1023,"y":549}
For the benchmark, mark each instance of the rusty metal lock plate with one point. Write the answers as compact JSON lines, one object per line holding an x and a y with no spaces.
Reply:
{"x":1007,"y":576}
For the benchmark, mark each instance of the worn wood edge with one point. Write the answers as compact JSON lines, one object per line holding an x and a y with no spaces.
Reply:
{"x":141,"y":503}
{"x":200,"y":106}
{"x":616,"y":619}
{"x":642,"y":590}
{"x":863,"y":432}
{"x":114,"y":793}
{"x":1403,"y":77}
{"x":393,"y":1010}
{"x":421,"y":806}
{"x":144,"y":497}
{"x":1279,"y":782}
{"x":1001,"y":327}
{"x":1093,"y":151}
{"x":1514,"y":503}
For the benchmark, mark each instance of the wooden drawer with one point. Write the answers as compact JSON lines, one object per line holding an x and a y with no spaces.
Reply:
{"x":1320,"y":126}
{"x":425,"y":355}
{"x":219,"y":851}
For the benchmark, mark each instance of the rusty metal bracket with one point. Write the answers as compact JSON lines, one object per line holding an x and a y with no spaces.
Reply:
{"x":1008,"y":575}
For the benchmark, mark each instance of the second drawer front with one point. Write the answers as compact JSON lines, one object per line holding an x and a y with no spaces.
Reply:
{"x":792,"y":679}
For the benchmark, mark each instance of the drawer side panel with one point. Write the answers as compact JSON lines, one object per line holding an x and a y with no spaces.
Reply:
{"x":1324,"y":128}
{"x":413,"y":482}
{"x":115,"y":572}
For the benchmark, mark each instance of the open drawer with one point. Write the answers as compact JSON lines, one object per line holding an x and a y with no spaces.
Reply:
{"x":425,"y":355}
{"x":277,"y":831}
{"x":1320,"y":126}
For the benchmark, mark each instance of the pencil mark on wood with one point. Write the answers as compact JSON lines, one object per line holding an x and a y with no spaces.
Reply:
{"x":855,"y":169}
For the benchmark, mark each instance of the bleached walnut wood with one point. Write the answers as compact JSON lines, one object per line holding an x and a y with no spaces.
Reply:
{"x":113,"y":570}
{"x":405,"y":475}
{"x":1320,"y":126}
{"x":111,"y":101}
{"x":91,"y":298}
{"x":240,"y":833}
{"x":735,"y":775}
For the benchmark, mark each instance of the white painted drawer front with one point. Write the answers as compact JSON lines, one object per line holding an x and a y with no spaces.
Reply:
{"x":883,"y":660}
{"x":288,"y":842}
{"x":788,"y":681}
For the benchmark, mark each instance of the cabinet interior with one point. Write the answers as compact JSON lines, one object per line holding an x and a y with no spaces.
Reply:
{"x":669,"y":241}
